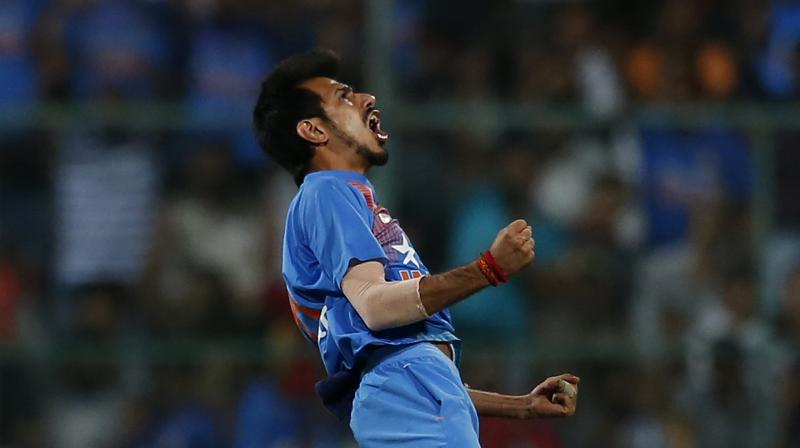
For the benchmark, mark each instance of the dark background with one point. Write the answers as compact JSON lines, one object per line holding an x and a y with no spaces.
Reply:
{"x":652,"y":145}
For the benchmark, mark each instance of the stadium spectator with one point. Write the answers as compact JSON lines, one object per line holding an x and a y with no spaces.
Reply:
{"x":584,"y":293}
{"x":676,"y":282}
{"x":654,"y":420}
{"x":732,"y":364}
{"x":277,"y":406}
{"x":119,"y":45}
{"x":718,"y":71}
{"x":492,"y":198}
{"x":777,"y":66}
{"x":86,"y":406}
{"x":212,"y":227}
{"x":181,"y":417}
{"x":106,"y":192}
{"x":227,"y":57}
{"x":596,"y":78}
{"x":19,"y":81}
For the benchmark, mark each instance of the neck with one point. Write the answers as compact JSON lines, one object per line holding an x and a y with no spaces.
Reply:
{"x":326,"y":161}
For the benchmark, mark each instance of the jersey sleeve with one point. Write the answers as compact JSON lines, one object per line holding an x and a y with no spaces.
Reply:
{"x":338,"y":229}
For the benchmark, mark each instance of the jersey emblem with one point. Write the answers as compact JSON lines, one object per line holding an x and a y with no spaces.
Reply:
{"x":408,"y":251}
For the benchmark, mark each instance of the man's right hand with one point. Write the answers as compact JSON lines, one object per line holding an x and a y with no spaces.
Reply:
{"x":512,"y":250}
{"x":514,"y":247}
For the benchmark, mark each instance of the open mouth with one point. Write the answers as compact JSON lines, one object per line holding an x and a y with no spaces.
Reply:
{"x":374,"y":125}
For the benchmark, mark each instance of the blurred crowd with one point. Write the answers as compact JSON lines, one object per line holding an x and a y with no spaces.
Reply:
{"x":141,"y":301}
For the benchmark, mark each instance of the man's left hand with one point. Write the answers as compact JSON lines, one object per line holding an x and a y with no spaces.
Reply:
{"x":551,"y":399}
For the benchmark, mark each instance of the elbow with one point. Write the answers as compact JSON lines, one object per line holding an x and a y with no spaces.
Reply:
{"x":374,"y":323}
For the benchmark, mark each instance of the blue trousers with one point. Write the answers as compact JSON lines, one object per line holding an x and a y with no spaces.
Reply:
{"x":413,"y":396}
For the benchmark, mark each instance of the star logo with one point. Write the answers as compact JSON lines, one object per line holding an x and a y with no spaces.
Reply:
{"x":408,"y":251}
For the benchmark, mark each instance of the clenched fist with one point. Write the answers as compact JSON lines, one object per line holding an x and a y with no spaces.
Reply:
{"x":514,"y":247}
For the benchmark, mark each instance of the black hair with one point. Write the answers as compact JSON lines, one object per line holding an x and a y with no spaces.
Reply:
{"x":282,"y":103}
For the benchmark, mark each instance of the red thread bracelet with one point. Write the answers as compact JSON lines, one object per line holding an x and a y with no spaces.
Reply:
{"x":487,"y":271}
{"x":495,"y":267}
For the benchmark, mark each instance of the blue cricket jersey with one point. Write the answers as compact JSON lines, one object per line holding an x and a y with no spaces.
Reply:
{"x":334,"y":222}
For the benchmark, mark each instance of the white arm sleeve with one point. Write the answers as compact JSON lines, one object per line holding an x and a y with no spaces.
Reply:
{"x":381,"y":304}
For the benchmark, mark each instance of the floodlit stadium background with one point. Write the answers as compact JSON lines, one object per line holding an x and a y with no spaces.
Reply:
{"x":652,"y":144}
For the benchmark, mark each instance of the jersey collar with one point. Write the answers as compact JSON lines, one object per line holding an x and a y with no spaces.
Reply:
{"x":340,"y":174}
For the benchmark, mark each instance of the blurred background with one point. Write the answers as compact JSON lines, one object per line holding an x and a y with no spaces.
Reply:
{"x":653,"y":145}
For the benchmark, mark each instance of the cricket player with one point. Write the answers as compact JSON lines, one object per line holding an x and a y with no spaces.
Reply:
{"x":358,"y":288}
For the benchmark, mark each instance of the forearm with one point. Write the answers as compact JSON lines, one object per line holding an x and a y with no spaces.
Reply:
{"x":490,"y":404}
{"x":383,"y":304}
{"x":554,"y":397}
{"x":437,"y":292}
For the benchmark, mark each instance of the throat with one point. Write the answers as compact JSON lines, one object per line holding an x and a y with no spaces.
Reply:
{"x":328,"y":160}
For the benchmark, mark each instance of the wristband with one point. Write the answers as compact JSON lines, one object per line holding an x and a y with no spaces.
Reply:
{"x":487,"y":271}
{"x":495,"y":267}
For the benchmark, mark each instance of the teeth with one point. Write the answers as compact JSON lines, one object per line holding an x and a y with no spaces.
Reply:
{"x":374,"y":124}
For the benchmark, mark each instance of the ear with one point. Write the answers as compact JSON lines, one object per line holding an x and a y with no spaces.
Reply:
{"x":311,"y":130}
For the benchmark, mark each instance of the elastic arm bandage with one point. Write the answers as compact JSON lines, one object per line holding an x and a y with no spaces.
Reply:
{"x":381,"y":304}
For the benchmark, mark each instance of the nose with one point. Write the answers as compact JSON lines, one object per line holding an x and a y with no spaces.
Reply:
{"x":367,"y":100}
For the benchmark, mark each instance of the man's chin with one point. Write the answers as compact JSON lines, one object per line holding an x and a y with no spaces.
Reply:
{"x":380,"y":158}
{"x":376,"y":155}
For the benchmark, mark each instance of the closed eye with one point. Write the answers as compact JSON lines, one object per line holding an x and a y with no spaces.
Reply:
{"x":345,"y":92}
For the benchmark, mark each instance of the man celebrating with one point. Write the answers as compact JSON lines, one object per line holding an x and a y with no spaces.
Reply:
{"x":358,"y":288}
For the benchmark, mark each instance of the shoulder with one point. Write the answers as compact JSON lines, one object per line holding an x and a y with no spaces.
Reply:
{"x":329,"y":190}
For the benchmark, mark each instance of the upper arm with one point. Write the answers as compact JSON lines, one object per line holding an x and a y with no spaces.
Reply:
{"x":359,"y":279}
{"x":338,"y":229}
